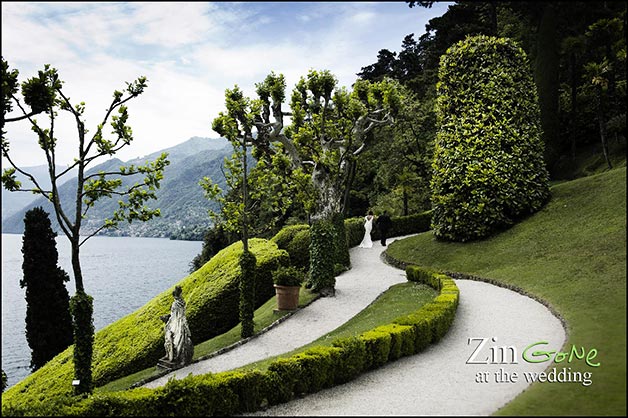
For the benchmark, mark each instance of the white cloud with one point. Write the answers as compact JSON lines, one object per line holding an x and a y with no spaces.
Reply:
{"x":363,"y":17}
{"x":191,"y":52}
{"x":171,"y":24}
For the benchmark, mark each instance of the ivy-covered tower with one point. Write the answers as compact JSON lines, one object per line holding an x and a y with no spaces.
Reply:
{"x":488,"y":167}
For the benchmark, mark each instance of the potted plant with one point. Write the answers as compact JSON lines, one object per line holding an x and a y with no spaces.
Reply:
{"x":287,"y":281}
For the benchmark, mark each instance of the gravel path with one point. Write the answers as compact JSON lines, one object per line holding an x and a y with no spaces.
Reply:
{"x":437,"y":381}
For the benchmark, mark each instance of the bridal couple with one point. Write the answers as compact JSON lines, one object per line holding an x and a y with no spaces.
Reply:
{"x":382,"y":222}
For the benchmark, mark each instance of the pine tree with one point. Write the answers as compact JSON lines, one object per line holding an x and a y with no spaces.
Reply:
{"x":48,"y":320}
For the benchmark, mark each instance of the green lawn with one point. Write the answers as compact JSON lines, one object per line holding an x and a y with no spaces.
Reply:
{"x":399,"y":300}
{"x":571,"y":254}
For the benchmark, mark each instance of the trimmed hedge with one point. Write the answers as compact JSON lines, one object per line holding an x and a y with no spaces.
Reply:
{"x":135,"y":342}
{"x":296,"y":238}
{"x":236,"y":392}
{"x":401,"y":225}
{"x":488,"y":167}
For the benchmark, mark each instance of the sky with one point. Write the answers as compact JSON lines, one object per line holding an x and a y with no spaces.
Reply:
{"x":190,"y":53}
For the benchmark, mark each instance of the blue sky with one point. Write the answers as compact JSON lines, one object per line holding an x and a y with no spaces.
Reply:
{"x":190,"y":52}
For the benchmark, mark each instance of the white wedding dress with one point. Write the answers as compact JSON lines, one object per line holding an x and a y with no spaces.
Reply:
{"x":368,"y":226}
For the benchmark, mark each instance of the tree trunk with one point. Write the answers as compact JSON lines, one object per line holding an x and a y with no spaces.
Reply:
{"x":76,"y":264}
{"x":247,"y":285}
{"x":574,"y":99}
{"x":601,"y":123}
{"x":322,"y":276}
{"x":347,"y":193}
{"x":405,"y":203}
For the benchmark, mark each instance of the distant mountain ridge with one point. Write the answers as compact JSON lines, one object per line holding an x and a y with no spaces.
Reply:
{"x":180,"y":199}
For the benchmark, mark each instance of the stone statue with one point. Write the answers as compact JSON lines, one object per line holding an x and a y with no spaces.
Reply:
{"x":178,"y":341}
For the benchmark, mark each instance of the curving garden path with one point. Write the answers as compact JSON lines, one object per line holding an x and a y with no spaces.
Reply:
{"x":438,"y":381}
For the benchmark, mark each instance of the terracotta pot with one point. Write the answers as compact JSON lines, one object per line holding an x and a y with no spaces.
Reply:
{"x":287,"y":297}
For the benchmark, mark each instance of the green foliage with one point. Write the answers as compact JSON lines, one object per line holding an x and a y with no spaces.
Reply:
{"x":247,"y":293}
{"x":401,"y":225}
{"x":295,"y":239}
{"x":284,"y":237}
{"x":352,"y":359}
{"x":299,"y":249}
{"x":81,"y":307}
{"x":288,"y":276}
{"x":9,"y":88}
{"x":135,"y":342}
{"x":40,"y":93}
{"x":342,"y":260}
{"x":323,"y":239}
{"x":4,"y":380}
{"x":488,"y":163}
{"x":216,"y":238}
{"x":377,"y":344}
{"x":48,"y":320}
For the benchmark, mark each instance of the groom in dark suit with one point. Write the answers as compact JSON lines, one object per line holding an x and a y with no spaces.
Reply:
{"x":383,"y":223}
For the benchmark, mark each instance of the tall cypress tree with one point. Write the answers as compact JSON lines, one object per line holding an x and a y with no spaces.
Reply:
{"x":48,"y":320}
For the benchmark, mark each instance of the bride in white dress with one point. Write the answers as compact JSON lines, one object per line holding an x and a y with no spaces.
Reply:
{"x":368,"y":226}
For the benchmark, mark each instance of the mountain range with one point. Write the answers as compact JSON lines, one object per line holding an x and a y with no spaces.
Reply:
{"x":184,"y":208}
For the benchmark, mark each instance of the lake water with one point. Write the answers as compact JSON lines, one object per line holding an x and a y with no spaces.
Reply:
{"x":121,"y":273}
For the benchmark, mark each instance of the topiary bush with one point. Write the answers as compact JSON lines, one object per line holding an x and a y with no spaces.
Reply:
{"x":288,"y":276}
{"x":341,"y":252}
{"x":296,"y":240}
{"x":488,"y":167}
{"x":287,"y":233}
{"x":82,"y":310}
{"x":299,"y":249}
{"x":322,"y":259}
{"x":247,"y":293}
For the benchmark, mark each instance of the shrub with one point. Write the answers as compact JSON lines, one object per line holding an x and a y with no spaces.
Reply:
{"x":82,"y":309}
{"x":246,"y":286}
{"x":286,"y":235}
{"x":288,"y":276}
{"x":377,"y":343}
{"x":354,"y":228}
{"x":322,"y":246}
{"x":296,"y":240}
{"x":216,"y":238}
{"x":299,"y":249}
{"x":342,"y":261}
{"x":352,"y":360}
{"x":488,"y":160}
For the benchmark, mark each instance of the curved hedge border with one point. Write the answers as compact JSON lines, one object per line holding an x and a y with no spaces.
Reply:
{"x":320,"y":367}
{"x":135,"y":342}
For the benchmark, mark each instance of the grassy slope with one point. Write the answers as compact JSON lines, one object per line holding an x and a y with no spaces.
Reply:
{"x":264,"y":316}
{"x":131,"y":339}
{"x":571,"y":254}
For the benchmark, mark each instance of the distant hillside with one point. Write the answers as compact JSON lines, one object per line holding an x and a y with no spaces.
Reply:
{"x":12,"y":202}
{"x":180,"y":198}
